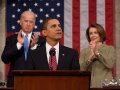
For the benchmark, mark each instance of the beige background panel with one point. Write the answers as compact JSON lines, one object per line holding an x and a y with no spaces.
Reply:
{"x":117,"y":36}
{"x":2,"y":37}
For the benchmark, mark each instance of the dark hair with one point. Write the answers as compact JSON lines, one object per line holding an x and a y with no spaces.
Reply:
{"x":45,"y":23}
{"x":100,"y":30}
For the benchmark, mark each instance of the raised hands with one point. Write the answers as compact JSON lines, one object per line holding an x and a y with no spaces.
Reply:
{"x":20,"y":37}
{"x":34,"y":39}
{"x":94,"y":49}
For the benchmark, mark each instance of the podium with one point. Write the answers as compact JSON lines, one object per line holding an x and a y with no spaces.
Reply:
{"x":51,"y":80}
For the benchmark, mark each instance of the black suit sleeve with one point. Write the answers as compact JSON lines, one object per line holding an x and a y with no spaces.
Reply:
{"x":75,"y":61}
{"x":41,"y":41}
{"x":10,"y":49}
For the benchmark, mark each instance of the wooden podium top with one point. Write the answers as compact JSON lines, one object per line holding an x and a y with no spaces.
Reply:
{"x":51,"y":80}
{"x":51,"y":73}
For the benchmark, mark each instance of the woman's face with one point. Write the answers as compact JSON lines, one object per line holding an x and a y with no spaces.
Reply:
{"x":94,"y":35}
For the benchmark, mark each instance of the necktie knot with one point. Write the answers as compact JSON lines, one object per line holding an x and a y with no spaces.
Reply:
{"x":26,"y":35}
{"x":52,"y":52}
{"x":52,"y":48}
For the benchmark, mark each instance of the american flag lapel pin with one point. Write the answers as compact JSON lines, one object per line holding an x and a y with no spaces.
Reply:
{"x":63,"y":54}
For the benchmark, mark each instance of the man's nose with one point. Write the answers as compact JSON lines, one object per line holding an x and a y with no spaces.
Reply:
{"x":59,"y":28}
{"x":28,"y":23}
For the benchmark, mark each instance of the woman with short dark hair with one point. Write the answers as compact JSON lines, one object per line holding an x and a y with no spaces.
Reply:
{"x":98,"y":58}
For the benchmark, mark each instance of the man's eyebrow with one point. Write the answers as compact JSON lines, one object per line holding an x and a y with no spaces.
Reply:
{"x":53,"y":25}
{"x":59,"y":25}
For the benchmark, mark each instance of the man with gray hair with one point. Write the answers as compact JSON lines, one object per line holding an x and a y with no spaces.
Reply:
{"x":17,"y":46}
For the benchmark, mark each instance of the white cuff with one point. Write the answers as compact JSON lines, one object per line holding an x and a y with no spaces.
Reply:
{"x":19,"y":46}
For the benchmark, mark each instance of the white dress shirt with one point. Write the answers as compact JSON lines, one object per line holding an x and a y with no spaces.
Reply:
{"x":48,"y":47}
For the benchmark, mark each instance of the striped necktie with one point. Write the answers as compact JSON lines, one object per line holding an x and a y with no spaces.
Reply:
{"x":52,"y":59}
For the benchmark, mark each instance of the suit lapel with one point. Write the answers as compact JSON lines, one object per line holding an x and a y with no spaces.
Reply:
{"x":44,"y":56}
{"x":61,"y":57}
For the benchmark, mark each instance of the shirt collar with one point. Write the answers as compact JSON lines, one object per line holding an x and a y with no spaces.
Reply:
{"x":48,"y":46}
{"x":29,"y":35}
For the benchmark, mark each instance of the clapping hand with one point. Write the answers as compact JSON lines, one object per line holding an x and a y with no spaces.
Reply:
{"x":20,"y":37}
{"x":34,"y":39}
{"x":94,"y":49}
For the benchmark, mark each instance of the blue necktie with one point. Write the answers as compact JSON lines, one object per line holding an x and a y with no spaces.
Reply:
{"x":26,"y":46}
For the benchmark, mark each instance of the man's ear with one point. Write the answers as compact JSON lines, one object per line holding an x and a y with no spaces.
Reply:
{"x":44,"y":32}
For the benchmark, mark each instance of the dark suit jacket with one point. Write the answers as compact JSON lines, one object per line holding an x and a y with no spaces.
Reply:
{"x":68,"y":59}
{"x":11,"y":55}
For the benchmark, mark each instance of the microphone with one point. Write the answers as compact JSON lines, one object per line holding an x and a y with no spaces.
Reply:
{"x":52,"y":53}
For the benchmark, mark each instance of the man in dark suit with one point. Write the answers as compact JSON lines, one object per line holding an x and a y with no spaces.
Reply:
{"x":66,"y":58}
{"x":14,"y":51}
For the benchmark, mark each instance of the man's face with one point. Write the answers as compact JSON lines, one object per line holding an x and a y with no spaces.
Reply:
{"x":53,"y":31}
{"x":27,"y":22}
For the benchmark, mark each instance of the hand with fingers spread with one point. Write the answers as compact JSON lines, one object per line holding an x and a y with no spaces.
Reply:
{"x":20,"y":37}
{"x":34,"y":39}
